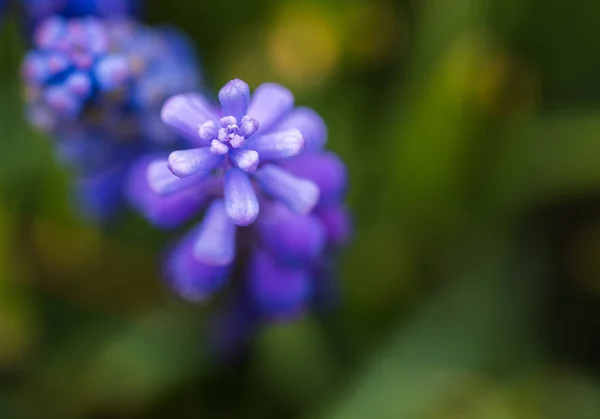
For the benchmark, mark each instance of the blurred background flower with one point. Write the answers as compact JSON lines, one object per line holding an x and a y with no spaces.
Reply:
{"x":96,"y":87}
{"x":470,"y":132}
{"x":38,"y":10}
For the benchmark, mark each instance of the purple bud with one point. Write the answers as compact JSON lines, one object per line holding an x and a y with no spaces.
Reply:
{"x":227,"y":120}
{"x":50,"y":32}
{"x":247,"y":160}
{"x":249,"y":126}
{"x":162,"y":211}
{"x":234,"y":98}
{"x":279,"y":291}
{"x":186,"y":112}
{"x":338,"y":224}
{"x":57,"y":63}
{"x":222,"y":135}
{"x":278,"y":145}
{"x":208,"y":130}
{"x":291,"y":237}
{"x":80,"y":84}
{"x":82,"y":60}
{"x":192,"y":279}
{"x":112,"y":72}
{"x":35,"y":67}
{"x":215,"y":243}
{"x":299,"y":194}
{"x":241,"y":204}
{"x":184,"y":163}
{"x":164,"y":182}
{"x":326,"y":170}
{"x":310,"y":124}
{"x":217,"y":147}
{"x":270,"y":102}
{"x":237,"y":141}
{"x":62,"y":101}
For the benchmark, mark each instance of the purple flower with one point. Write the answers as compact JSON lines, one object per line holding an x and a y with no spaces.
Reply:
{"x":245,"y":139}
{"x":37,"y":10}
{"x":97,"y":87}
{"x":99,"y":196}
{"x":113,"y":74}
{"x":277,"y":196}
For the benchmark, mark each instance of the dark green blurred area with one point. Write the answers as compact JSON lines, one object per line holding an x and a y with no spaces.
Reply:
{"x":471,"y":129}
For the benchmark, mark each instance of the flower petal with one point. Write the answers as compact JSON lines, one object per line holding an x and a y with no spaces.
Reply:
{"x":185,"y":163}
{"x":338,"y":224}
{"x":164,"y":182}
{"x":279,"y":291}
{"x":215,"y":243}
{"x":112,"y":72}
{"x":80,"y":84}
{"x":192,"y":279}
{"x":270,"y":102}
{"x":234,"y":98}
{"x":300,"y":195}
{"x":162,"y":211}
{"x":277,"y":145}
{"x":326,"y":170}
{"x":186,"y":112}
{"x":241,"y":204}
{"x":310,"y":124}
{"x":247,"y":160}
{"x":291,"y":237}
{"x":62,"y":101}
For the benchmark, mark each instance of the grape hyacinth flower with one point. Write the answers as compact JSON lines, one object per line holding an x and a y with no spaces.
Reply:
{"x":243,"y":139}
{"x":275,"y":196}
{"x":97,"y":87}
{"x":38,"y":10}
{"x":103,"y":73}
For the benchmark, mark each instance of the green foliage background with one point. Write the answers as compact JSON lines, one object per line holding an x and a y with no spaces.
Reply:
{"x":471,"y":129}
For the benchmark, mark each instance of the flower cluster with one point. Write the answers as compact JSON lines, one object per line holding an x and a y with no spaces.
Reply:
{"x":111,"y":93}
{"x":274,"y":196}
{"x":97,"y":86}
{"x":37,"y":10}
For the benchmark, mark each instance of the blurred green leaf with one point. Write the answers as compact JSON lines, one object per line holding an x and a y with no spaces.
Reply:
{"x":20,"y":150}
{"x":476,"y":326}
{"x":17,"y":320}
{"x":117,"y":364}
{"x":551,"y":156}
{"x":296,"y":362}
{"x":440,"y":23}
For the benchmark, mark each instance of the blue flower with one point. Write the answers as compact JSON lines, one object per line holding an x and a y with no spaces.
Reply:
{"x":38,"y":10}
{"x":259,"y":163}
{"x":97,"y":87}
{"x":104,"y":73}
{"x":244,"y":139}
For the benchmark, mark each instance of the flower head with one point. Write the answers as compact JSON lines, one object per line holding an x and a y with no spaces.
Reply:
{"x":103,"y":73}
{"x":259,"y":164}
{"x":38,"y":10}
{"x":244,"y":139}
{"x":97,"y":86}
